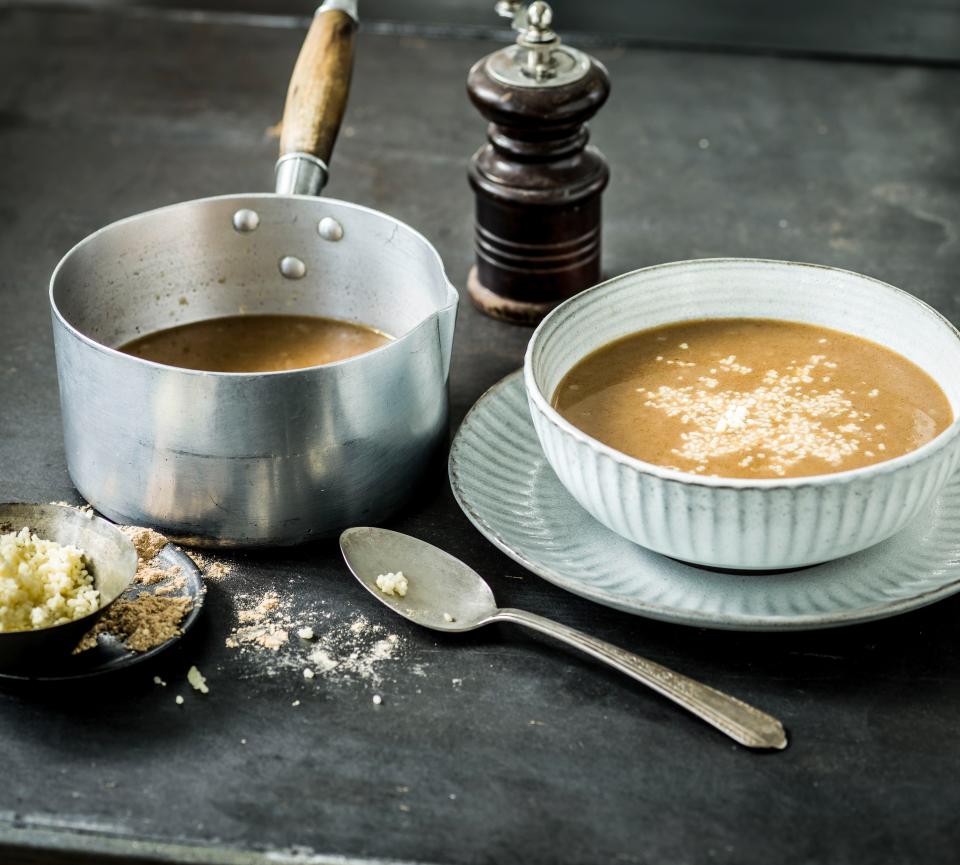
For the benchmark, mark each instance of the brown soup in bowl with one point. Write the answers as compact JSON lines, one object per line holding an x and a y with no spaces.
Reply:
{"x":753,"y":398}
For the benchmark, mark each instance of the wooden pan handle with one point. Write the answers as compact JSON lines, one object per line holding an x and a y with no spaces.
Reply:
{"x":317,"y":98}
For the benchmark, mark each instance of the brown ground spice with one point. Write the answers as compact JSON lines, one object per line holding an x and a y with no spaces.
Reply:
{"x":150,"y":619}
{"x":142,"y":623}
{"x":150,"y":576}
{"x":147,"y":542}
{"x":216,"y":570}
{"x":176,"y":585}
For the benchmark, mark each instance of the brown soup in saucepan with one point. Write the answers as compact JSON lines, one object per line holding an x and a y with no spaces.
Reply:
{"x":753,"y":398}
{"x":256,"y":343}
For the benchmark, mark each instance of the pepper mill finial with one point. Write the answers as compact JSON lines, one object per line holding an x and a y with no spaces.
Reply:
{"x":537,"y":183}
{"x":540,"y":16}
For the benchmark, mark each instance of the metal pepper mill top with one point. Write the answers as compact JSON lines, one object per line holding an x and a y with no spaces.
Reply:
{"x":537,"y":182}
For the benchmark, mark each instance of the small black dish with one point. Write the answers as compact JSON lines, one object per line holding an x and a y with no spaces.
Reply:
{"x":110,"y":654}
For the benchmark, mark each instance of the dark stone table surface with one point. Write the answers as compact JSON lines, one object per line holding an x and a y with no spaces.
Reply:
{"x":535,"y":755}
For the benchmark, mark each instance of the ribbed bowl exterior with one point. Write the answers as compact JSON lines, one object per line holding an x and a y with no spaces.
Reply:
{"x":733,"y":523}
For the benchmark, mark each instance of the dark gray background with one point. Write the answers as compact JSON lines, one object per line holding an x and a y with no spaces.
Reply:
{"x":107,"y":113}
{"x":926,"y":30}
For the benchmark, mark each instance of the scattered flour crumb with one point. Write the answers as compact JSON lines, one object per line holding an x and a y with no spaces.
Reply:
{"x":197,"y":680}
{"x":308,"y":673}
{"x":158,"y":681}
{"x":457,"y":682}
{"x":295,"y":703}
{"x":377,"y":699}
{"x":267,"y":604}
{"x":179,"y":700}
{"x":305,"y":633}
{"x":448,"y":618}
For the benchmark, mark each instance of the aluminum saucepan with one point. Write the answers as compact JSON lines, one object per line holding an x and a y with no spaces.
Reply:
{"x":251,"y":459}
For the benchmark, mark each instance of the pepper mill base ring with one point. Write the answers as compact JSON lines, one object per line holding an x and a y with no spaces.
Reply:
{"x":505,"y":308}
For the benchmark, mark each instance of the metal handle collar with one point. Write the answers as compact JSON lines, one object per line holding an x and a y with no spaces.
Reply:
{"x":301,"y":174}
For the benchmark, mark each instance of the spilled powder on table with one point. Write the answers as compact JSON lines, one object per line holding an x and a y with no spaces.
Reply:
{"x":346,"y":651}
{"x":354,"y":650}
{"x":148,"y":544}
{"x":216,"y":571}
{"x":264,"y":623}
{"x":212,"y":569}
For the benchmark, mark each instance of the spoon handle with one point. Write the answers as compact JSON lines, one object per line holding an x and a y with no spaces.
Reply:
{"x":741,"y":722}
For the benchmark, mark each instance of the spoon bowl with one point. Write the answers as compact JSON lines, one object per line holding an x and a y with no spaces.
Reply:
{"x":438,"y":582}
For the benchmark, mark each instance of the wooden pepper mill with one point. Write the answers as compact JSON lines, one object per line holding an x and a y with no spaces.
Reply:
{"x":537,"y":183}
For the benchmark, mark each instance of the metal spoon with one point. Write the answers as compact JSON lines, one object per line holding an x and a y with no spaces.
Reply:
{"x":446,"y":595}
{"x":110,"y":558}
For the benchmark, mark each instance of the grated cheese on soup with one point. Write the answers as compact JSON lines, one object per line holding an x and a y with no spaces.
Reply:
{"x":42,"y":583}
{"x":753,"y":398}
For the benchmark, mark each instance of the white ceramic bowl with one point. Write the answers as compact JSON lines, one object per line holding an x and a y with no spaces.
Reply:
{"x":730,"y":522}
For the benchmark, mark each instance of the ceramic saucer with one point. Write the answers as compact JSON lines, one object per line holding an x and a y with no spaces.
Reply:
{"x":507,"y":489}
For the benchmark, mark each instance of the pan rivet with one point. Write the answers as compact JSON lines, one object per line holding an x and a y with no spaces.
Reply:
{"x":330,"y":229}
{"x":246,"y":220}
{"x":292,"y":267}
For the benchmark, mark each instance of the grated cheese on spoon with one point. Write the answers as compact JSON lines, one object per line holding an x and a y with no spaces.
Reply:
{"x":393,"y":584}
